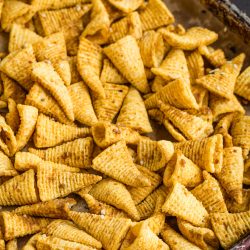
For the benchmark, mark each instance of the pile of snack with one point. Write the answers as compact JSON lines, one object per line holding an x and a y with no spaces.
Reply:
{"x":78,"y":87}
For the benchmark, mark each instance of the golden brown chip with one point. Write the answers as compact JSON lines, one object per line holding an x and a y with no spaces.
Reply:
{"x":89,"y":64}
{"x":20,"y":190}
{"x":18,"y":65}
{"x":107,"y":108}
{"x":200,"y":236}
{"x":50,"y":133}
{"x":175,"y":240}
{"x":47,"y":77}
{"x":129,"y":25}
{"x":192,"y":39}
{"x":181,"y":169}
{"x":12,"y":117}
{"x":116,"y":162}
{"x":97,"y":30}
{"x":6,"y":166}
{"x":207,"y":153}
{"x":242,"y":84}
{"x":155,"y":15}
{"x":154,"y":154}
{"x":110,"y":231}
{"x":114,"y":193}
{"x":75,"y":154}
{"x":75,"y":76}
{"x":67,"y":230}
{"x":183,"y":204}
{"x":210,"y":194}
{"x":177,"y":93}
{"x":126,"y":6}
{"x":125,"y":55}
{"x":230,"y":228}
{"x":57,"y":208}
{"x":41,"y":99}
{"x":173,"y":67}
{"x":12,"y":245}
{"x":53,"y":183}
{"x":20,"y":37}
{"x":28,"y":117}
{"x":31,"y":243}
{"x":231,"y":175}
{"x":201,"y":95}
{"x":15,"y":226}
{"x":158,"y":83}
{"x":138,"y":194}
{"x":110,"y":73}
{"x":133,"y":113}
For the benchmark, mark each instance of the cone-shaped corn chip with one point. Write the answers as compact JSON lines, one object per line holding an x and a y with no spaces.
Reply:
{"x":56,"y":166}
{"x":133,"y":113}
{"x":117,"y":163}
{"x":25,"y":161}
{"x":15,"y":226}
{"x":110,"y":74}
{"x":15,"y":12}
{"x":158,"y":83}
{"x":107,"y":108}
{"x":12,"y":245}
{"x":45,"y":103}
{"x":20,"y":37}
{"x":181,"y":169}
{"x":46,"y":76}
{"x":50,"y":133}
{"x":222,"y":81}
{"x":31,"y":243}
{"x":53,"y":209}
{"x":125,"y":55}
{"x":173,"y":67}
{"x":234,"y":207}
{"x":155,"y":15}
{"x":215,"y":57}
{"x":175,"y":240}
{"x":12,"y":117}
{"x":231,"y":175}
{"x":20,"y":190}
{"x":53,"y":183}
{"x":110,"y":231}
{"x":18,"y":65}
{"x":6,"y":166}
{"x":68,"y":231}
{"x":154,"y":154}
{"x":82,"y":105}
{"x":50,"y":242}
{"x":55,"y":4}
{"x":229,"y":228}
{"x":28,"y":117}
{"x":241,"y":133}
{"x":177,"y":93}
{"x":206,"y":153}
{"x":106,"y":134}
{"x":97,"y":207}
{"x":182,"y":204}
{"x":8,"y":141}
{"x":53,"y":48}
{"x":147,"y":207}
{"x":129,"y":25}
{"x":97,"y":29}
{"x":221,"y":106}
{"x":116,"y":194}
{"x":209,"y":193}
{"x":75,"y":76}
{"x":89,"y":64}
{"x":201,"y":95}
{"x":75,"y":154}
{"x":138,"y":194}
{"x":144,"y":238}
{"x":191,"y":126}
{"x":200,"y":236}
{"x":12,"y":89}
{"x":192,"y":39}
{"x":152,"y":48}
{"x":242,"y":84}
{"x":126,"y":5}
{"x":52,"y":21}
{"x":84,"y":191}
